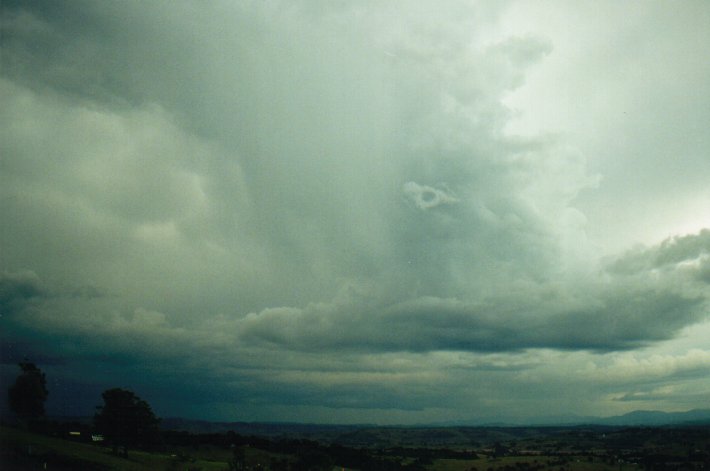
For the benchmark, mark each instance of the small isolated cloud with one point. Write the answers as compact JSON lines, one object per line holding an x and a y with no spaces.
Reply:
{"x":657,"y":394}
{"x":427,"y":197}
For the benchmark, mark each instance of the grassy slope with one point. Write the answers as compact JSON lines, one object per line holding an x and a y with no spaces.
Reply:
{"x":65,"y":451}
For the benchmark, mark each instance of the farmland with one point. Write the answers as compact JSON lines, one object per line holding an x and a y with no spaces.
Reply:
{"x":376,"y":448}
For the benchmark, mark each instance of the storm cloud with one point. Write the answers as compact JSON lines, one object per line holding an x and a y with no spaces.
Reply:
{"x":339,"y":211}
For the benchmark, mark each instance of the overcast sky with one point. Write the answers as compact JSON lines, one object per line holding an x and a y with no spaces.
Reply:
{"x":358,"y":211}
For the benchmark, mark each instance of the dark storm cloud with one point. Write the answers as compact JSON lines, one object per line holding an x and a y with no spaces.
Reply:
{"x":637,"y":305}
{"x":613,"y":320}
{"x":17,"y":289}
{"x":70,"y":47}
{"x":13,"y":351}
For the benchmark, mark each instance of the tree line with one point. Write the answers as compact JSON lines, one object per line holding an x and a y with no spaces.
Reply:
{"x":124,"y":420}
{"x":127,"y":422}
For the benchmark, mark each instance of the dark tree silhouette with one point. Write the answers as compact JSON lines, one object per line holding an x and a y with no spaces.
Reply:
{"x":126,"y":420}
{"x":27,"y":396}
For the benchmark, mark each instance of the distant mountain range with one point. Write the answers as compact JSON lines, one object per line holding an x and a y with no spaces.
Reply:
{"x":643,"y":417}
{"x":315,"y":431}
{"x":638,"y":417}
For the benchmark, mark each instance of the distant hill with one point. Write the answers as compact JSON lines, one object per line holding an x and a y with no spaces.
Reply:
{"x":638,"y":417}
{"x":326,"y":432}
{"x":642,"y":417}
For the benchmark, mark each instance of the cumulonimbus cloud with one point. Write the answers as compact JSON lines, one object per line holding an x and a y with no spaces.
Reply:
{"x":272,"y":185}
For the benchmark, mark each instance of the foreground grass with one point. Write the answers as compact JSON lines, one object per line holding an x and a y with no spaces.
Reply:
{"x":25,"y":450}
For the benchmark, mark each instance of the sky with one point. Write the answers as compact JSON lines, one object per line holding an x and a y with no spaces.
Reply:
{"x":358,"y":211}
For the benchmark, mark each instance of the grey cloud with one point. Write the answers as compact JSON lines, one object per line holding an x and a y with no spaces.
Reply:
{"x":687,"y":256}
{"x":276,"y":195}
{"x":672,"y":251}
{"x":680,"y":249}
{"x":704,"y":270}
{"x":628,"y":320}
{"x":519,"y":52}
{"x":17,"y":289}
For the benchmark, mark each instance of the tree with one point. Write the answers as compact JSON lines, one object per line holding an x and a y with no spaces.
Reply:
{"x":126,"y":420}
{"x":27,"y":396}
